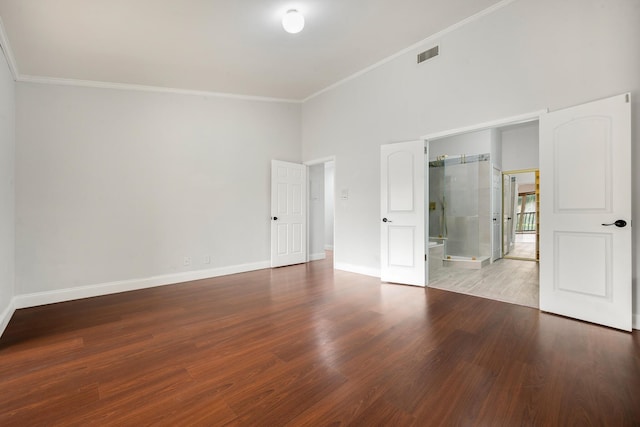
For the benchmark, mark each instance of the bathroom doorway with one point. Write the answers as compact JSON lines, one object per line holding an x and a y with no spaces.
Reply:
{"x":506,"y":210}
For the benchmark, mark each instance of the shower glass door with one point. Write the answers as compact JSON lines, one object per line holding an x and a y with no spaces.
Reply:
{"x":459,"y":205}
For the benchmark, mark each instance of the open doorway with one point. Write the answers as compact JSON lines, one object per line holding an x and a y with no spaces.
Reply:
{"x":499,"y":225}
{"x":321,"y":209}
{"x":521,"y":219}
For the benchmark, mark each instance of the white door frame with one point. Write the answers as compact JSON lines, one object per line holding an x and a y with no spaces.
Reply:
{"x":313,"y":163}
{"x":513,"y":120}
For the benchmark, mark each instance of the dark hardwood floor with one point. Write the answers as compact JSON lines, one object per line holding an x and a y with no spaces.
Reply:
{"x":305,"y":345}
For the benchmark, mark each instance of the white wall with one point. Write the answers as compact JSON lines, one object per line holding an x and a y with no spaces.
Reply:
{"x":316,"y":212}
{"x":329,"y":197}
{"x":496,"y":149}
{"x":7,"y":199}
{"x":524,"y":57}
{"x":116,"y":185}
{"x":520,"y":146}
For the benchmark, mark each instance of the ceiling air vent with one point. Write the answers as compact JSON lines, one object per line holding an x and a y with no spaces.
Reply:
{"x":428,"y":54}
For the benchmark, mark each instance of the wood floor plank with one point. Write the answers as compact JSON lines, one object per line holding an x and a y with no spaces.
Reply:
{"x":343,"y":406}
{"x":306,"y":345}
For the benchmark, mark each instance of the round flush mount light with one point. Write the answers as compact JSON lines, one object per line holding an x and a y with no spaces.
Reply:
{"x":293,"y":21}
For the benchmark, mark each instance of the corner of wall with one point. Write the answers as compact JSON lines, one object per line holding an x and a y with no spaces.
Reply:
{"x":5,"y":316}
{"x":7,"y":179}
{"x":5,"y":47}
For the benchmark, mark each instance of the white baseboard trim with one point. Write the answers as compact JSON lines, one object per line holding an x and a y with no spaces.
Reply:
{"x":315,"y":257}
{"x":6,"y":315}
{"x":328,"y":247}
{"x":51,"y":297}
{"x":367,"y":271}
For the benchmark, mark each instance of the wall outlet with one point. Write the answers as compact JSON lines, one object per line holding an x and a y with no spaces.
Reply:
{"x":207,"y":259}
{"x":186,"y":261}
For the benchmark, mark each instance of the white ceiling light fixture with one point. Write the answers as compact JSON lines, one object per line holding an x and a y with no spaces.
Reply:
{"x":293,"y":21}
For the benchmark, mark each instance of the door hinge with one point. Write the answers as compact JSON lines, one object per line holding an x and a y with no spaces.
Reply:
{"x":627,"y":98}
{"x":425,"y":257}
{"x":425,"y":150}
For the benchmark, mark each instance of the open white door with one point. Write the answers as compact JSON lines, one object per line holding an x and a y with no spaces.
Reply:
{"x":509,"y":195}
{"x":496,"y":200}
{"x":402,"y":214}
{"x":288,"y":213}
{"x":585,"y":237}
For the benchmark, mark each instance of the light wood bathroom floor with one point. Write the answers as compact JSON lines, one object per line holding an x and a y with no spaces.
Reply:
{"x":507,"y":280}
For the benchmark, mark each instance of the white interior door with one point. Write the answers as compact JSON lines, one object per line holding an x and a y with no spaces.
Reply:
{"x":288,"y":213}
{"x":585,"y":237}
{"x":496,"y":241}
{"x":513,"y":214}
{"x":507,"y":213}
{"x":402,"y":214}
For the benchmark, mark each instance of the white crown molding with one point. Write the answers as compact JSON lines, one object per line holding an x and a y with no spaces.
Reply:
{"x":431,"y":39}
{"x":68,"y":294}
{"x":143,"y":88}
{"x":8,"y":53}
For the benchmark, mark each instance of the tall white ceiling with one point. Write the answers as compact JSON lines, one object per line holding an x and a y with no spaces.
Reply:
{"x":229,"y":46}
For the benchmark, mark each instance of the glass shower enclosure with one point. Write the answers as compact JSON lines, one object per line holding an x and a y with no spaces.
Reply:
{"x":460,"y":208}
